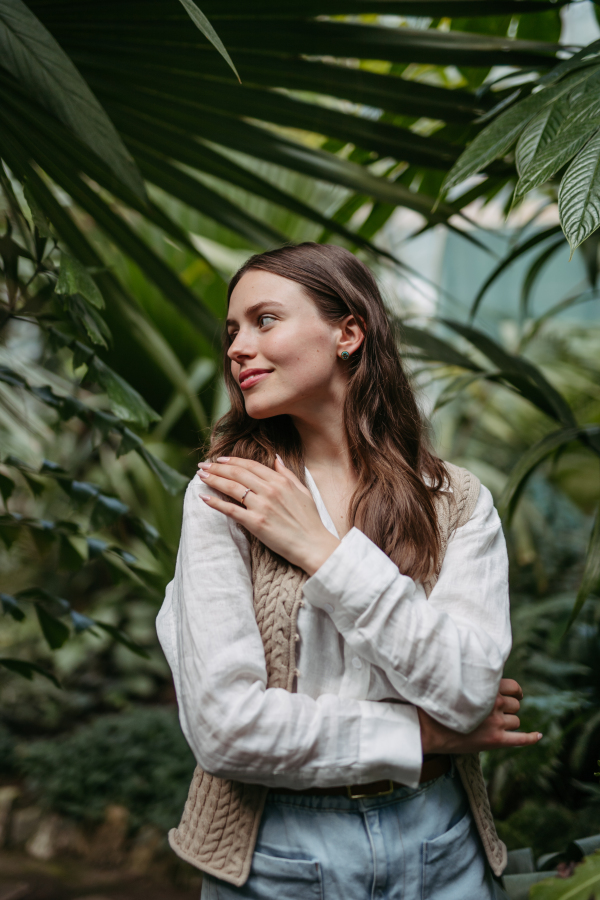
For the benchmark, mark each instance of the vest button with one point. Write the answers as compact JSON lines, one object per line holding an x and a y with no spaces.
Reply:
{"x":328,"y":608}
{"x":356,"y":662}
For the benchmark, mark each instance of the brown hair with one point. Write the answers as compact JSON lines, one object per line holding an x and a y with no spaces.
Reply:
{"x":397,"y":473}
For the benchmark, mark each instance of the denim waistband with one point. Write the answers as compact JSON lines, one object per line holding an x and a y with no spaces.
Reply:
{"x":335,"y":801}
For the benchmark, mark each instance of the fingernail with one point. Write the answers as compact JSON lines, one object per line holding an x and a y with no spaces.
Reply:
{"x":540,"y":735}
{"x":204,"y":465}
{"x":203,"y":474}
{"x":223,"y":458}
{"x":204,"y":497}
{"x":277,"y":456}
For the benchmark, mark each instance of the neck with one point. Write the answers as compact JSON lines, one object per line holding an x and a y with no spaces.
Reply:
{"x":324,"y":440}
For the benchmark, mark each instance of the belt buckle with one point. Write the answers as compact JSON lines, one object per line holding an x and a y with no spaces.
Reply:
{"x":356,"y":796}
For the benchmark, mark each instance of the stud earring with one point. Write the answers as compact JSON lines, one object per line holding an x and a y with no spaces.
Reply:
{"x":344,"y":354}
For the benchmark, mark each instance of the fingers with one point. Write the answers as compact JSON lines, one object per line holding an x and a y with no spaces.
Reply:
{"x":235,"y":512}
{"x":230,"y":480}
{"x":520,"y":739}
{"x":510,"y":688}
{"x":281,"y":469}
{"x":511,"y":723}
{"x":248,"y":465}
{"x":508,"y":704}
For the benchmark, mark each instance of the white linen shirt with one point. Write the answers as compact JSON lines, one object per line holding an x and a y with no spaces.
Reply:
{"x":371,"y":648}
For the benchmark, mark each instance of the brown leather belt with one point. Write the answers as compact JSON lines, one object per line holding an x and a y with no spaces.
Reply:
{"x":431,"y":768}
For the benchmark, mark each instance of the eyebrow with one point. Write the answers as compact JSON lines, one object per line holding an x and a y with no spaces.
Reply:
{"x":256,"y":307}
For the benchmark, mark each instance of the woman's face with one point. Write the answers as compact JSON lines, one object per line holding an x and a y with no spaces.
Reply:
{"x":284,"y":356}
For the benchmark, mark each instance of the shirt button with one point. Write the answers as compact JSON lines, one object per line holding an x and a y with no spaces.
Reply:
{"x":328,"y":608}
{"x":356,"y":662}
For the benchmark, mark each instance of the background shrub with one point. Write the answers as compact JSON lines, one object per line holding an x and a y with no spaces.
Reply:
{"x":137,"y":758}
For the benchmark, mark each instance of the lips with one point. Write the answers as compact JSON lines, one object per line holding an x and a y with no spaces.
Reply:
{"x":250,"y":377}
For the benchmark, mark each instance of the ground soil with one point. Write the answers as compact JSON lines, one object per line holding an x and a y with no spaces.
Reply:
{"x":24,"y":878}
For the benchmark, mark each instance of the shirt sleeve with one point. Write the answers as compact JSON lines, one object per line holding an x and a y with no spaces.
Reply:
{"x":236,"y":726}
{"x":444,"y":654}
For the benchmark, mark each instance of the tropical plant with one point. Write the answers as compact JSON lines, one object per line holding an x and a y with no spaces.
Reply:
{"x":584,"y":884}
{"x":484,"y":359}
{"x":555,"y":123}
{"x":53,"y":292}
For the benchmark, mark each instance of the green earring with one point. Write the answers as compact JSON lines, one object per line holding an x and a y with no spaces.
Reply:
{"x":344,"y":354}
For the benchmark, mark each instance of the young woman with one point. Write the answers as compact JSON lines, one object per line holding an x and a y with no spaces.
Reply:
{"x":338,"y":621}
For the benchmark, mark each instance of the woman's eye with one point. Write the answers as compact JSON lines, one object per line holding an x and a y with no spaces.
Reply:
{"x":266,"y":320}
{"x":232,"y":336}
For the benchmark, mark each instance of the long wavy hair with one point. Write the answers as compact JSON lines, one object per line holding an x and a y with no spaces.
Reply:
{"x":397,"y":473}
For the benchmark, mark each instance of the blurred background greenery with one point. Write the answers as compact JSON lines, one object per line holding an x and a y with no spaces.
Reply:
{"x":119,"y":236}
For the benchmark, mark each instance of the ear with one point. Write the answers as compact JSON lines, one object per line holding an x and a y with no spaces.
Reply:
{"x":351,"y":335}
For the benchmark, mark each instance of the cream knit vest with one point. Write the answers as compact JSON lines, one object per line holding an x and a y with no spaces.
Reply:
{"x":218,"y":829}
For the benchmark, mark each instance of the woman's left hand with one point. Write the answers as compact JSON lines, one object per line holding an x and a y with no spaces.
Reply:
{"x":278,"y":509}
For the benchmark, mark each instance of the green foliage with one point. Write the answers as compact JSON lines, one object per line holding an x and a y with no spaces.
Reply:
{"x":584,"y":884}
{"x":137,"y":758}
{"x":546,"y":827}
{"x":556,"y":124}
{"x":35,"y":58}
{"x":525,"y":379}
{"x":8,"y":744}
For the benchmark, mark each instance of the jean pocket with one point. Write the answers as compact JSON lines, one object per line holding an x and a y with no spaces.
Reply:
{"x":273,"y":876}
{"x":453,"y":864}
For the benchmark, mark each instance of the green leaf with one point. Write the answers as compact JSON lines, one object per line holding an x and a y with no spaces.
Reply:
{"x":38,"y":218}
{"x":69,"y":557}
{"x":455,"y":388}
{"x":10,"y":606}
{"x":81,"y":622}
{"x":518,"y":251}
{"x":36,"y":487}
{"x":579,"y":195}
{"x":124,"y":400}
{"x":33,"y":56}
{"x":587,"y":56}
{"x":201,"y":22}
{"x":159,"y":349}
{"x":122,"y":638}
{"x":564,"y":147}
{"x":171,"y":480}
{"x":106,"y":511}
{"x":79,"y":491}
{"x":532,"y":458}
{"x":74,"y":278}
{"x":436,"y":349}
{"x":540,"y":132}
{"x":7,"y":486}
{"x":58,"y":605}
{"x":497,"y":138}
{"x":27,"y":670}
{"x":583,"y":884}
{"x":534,"y":271}
{"x":55,"y":631}
{"x":96,"y":547}
{"x":88,"y":321}
{"x":544,"y":26}
{"x":590,"y":580}
{"x":528,"y":380}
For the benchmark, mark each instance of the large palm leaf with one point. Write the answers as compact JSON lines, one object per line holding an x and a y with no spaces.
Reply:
{"x":176,"y":106}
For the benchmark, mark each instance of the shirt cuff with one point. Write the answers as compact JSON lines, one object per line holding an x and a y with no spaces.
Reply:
{"x":389,"y":732}
{"x":355,"y":575}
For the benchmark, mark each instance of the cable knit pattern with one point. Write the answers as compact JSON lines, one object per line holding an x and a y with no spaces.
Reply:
{"x":219,"y":825}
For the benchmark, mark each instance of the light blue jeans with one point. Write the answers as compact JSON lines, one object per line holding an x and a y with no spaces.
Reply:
{"x":415,"y":844}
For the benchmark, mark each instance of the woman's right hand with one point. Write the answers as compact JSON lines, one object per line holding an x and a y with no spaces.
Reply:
{"x":497,"y":731}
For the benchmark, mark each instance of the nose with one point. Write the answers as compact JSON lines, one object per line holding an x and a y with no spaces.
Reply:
{"x":241,"y":348}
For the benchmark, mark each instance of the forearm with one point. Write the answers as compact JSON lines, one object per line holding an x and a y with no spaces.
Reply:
{"x":280,"y":739}
{"x":447,"y":665}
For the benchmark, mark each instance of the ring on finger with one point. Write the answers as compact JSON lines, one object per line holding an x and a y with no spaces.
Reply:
{"x":243,"y":497}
